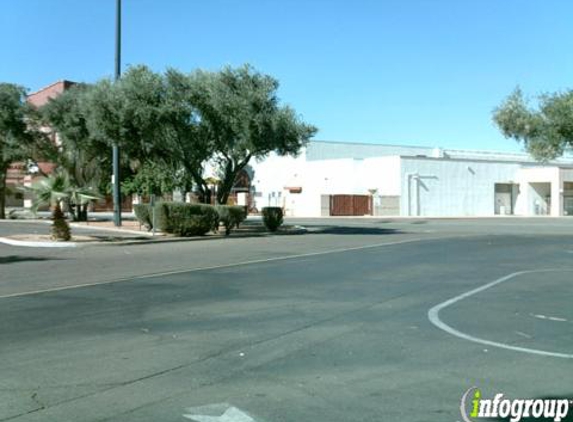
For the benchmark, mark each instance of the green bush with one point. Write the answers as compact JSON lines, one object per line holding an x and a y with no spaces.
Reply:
{"x":273,"y":218}
{"x":184,"y":219}
{"x":144,"y":215}
{"x":213,"y":217}
{"x":231,"y":216}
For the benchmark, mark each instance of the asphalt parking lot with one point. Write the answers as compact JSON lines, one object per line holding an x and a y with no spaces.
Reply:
{"x":358,"y":320}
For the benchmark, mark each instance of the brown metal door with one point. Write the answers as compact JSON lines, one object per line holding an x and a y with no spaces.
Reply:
{"x":340,"y":205}
{"x":361,"y":205}
{"x":350,"y":205}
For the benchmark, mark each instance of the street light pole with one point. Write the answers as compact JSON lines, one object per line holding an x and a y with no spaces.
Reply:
{"x":115,"y":157}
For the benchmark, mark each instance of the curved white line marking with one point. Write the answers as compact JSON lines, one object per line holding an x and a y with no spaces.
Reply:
{"x":36,"y":244}
{"x":433,"y":315}
{"x":463,"y":404}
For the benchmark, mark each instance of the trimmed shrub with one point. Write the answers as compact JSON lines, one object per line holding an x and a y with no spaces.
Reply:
{"x":60,"y":227}
{"x":231,"y":216}
{"x":213,"y":217}
{"x":273,"y":218}
{"x":144,"y":215}
{"x":184,"y":219}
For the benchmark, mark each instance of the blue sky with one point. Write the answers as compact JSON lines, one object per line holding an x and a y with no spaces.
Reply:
{"x":420,"y":72}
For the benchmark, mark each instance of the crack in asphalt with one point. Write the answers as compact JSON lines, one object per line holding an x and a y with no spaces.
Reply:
{"x":212,"y":356}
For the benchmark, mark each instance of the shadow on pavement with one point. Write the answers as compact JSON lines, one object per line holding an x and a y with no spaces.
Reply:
{"x":112,"y":238}
{"x":353,"y":230}
{"x":401,"y":221}
{"x":10,"y":259}
{"x":249,"y":230}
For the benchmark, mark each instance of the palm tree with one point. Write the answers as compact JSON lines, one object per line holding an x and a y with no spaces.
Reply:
{"x":83,"y":175}
{"x":55,"y":190}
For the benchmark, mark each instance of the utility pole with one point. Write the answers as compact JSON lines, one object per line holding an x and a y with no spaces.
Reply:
{"x":116,"y":175}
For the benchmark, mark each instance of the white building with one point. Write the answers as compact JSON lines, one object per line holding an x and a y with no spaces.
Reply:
{"x":331,"y":178}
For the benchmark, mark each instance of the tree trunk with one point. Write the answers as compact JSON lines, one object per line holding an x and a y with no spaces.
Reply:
{"x":80,"y":212}
{"x":225,"y":189}
{"x":84,"y":213}
{"x":60,"y":227}
{"x":3,"y":175}
{"x":71,"y":209}
{"x":228,"y":183}
{"x":203,"y":190}
{"x":204,"y":194}
{"x":208,"y":195}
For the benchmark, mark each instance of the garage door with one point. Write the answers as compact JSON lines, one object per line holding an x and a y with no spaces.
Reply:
{"x":350,"y":205}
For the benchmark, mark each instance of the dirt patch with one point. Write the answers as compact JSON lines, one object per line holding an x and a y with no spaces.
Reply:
{"x":125,"y":225}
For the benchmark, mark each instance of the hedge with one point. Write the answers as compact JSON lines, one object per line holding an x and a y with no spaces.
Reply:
{"x":184,"y":219}
{"x":272,"y":218}
{"x":144,"y":215}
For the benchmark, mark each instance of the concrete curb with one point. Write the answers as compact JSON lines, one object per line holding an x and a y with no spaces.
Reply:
{"x":109,"y":229}
{"x":25,"y":220}
{"x":296,"y":230}
{"x":163,"y":239}
{"x":75,"y":225}
{"x":80,"y":226}
{"x":32,"y":244}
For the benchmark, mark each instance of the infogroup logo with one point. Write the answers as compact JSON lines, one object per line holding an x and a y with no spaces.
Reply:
{"x":474,"y":407}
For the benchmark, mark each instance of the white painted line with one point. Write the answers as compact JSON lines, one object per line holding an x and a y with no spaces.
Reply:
{"x":433,"y":315}
{"x":236,"y":264}
{"x":550,"y":318}
{"x":32,"y":244}
{"x":557,"y":319}
{"x":231,"y":414}
{"x":522,"y":334}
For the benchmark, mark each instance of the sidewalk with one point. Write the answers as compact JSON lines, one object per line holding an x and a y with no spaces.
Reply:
{"x":127,"y":226}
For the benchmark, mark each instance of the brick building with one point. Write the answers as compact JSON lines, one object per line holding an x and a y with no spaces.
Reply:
{"x":18,"y":174}
{"x":42,"y":96}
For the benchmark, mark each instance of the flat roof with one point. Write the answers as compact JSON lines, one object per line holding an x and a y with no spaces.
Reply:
{"x":328,"y":150}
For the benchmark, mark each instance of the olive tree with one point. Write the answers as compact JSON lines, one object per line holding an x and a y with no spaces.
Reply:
{"x":243,"y":119}
{"x":546,"y":130}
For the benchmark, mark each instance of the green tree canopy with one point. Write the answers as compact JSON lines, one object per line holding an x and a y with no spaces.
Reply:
{"x":84,"y":157}
{"x":186,"y":142}
{"x":545,"y":130}
{"x":133,"y":112}
{"x":20,"y":137}
{"x":153,"y":179}
{"x":241,"y":113}
{"x":171,"y":126}
{"x":127,"y":111}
